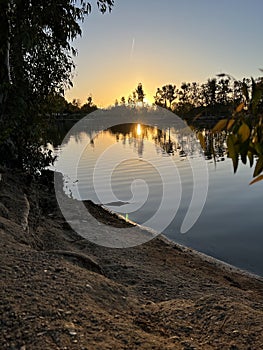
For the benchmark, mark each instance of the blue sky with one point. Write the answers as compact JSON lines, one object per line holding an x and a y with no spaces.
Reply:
{"x":166,"y":41}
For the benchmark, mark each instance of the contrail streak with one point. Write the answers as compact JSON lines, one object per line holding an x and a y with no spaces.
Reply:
{"x":132,"y":48}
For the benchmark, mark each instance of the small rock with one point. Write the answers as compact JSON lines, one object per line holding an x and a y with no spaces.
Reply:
{"x":72,"y":332}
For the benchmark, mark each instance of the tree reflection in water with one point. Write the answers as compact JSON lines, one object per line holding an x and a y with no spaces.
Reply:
{"x":213,"y":144}
{"x":170,"y":142}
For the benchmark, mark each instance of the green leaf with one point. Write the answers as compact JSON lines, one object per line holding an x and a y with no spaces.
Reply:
{"x":258,"y":148}
{"x":240,"y":107}
{"x":221,"y":125}
{"x":197,"y":116}
{"x":250,"y":158}
{"x":202,"y":140}
{"x":244,"y":158}
{"x":230,"y":123}
{"x":243,"y":150}
{"x":244,"y":132}
{"x":257,"y":179}
{"x":259,"y":166}
{"x":231,"y":140}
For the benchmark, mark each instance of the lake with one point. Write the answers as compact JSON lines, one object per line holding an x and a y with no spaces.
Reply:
{"x":153,"y":165}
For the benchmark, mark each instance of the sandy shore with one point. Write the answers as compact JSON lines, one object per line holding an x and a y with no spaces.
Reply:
{"x":60,"y":291}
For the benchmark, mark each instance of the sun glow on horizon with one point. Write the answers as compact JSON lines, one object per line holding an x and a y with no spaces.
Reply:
{"x":148,"y":101}
{"x":139,"y":130}
{"x":104,"y":98}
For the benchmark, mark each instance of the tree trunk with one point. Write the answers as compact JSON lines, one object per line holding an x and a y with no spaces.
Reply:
{"x":5,"y":78}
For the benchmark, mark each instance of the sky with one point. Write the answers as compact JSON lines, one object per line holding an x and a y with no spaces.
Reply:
{"x":159,"y":42}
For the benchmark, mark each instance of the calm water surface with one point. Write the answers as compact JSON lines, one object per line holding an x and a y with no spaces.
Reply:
{"x":230,"y":225}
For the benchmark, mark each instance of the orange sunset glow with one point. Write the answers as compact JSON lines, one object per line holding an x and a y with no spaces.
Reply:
{"x":166,"y":42}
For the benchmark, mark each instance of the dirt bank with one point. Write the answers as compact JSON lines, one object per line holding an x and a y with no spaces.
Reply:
{"x":59,"y":291}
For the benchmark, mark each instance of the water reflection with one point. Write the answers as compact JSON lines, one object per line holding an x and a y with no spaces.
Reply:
{"x":167,"y":140}
{"x":213,"y":144}
{"x":222,"y":230}
{"x":136,"y":134}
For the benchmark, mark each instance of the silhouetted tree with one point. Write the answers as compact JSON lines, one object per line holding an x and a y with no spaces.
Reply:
{"x":170,"y":93}
{"x":224,"y":92}
{"x":76,"y":102}
{"x":195,"y":94}
{"x":209,"y":92}
{"x":214,"y":97}
{"x":140,"y":93}
{"x":164,"y":95}
{"x":159,"y":98}
{"x":185,"y":103}
{"x":89,"y":106}
{"x":56,"y":104}
{"x":35,"y":61}
{"x":130,"y":100}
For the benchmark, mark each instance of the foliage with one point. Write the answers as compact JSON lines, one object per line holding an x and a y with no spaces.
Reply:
{"x":136,"y":96}
{"x":238,"y":104}
{"x":89,"y":106}
{"x":36,"y":65}
{"x":216,"y":97}
{"x":164,"y":95}
{"x":245,"y":129}
{"x":140,"y":93}
{"x":57,"y":106}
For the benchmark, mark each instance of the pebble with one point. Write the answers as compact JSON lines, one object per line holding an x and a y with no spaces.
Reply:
{"x":72,"y":332}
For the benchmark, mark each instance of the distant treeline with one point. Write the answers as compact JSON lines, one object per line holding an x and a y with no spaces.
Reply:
{"x":59,"y":107}
{"x":217,"y":97}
